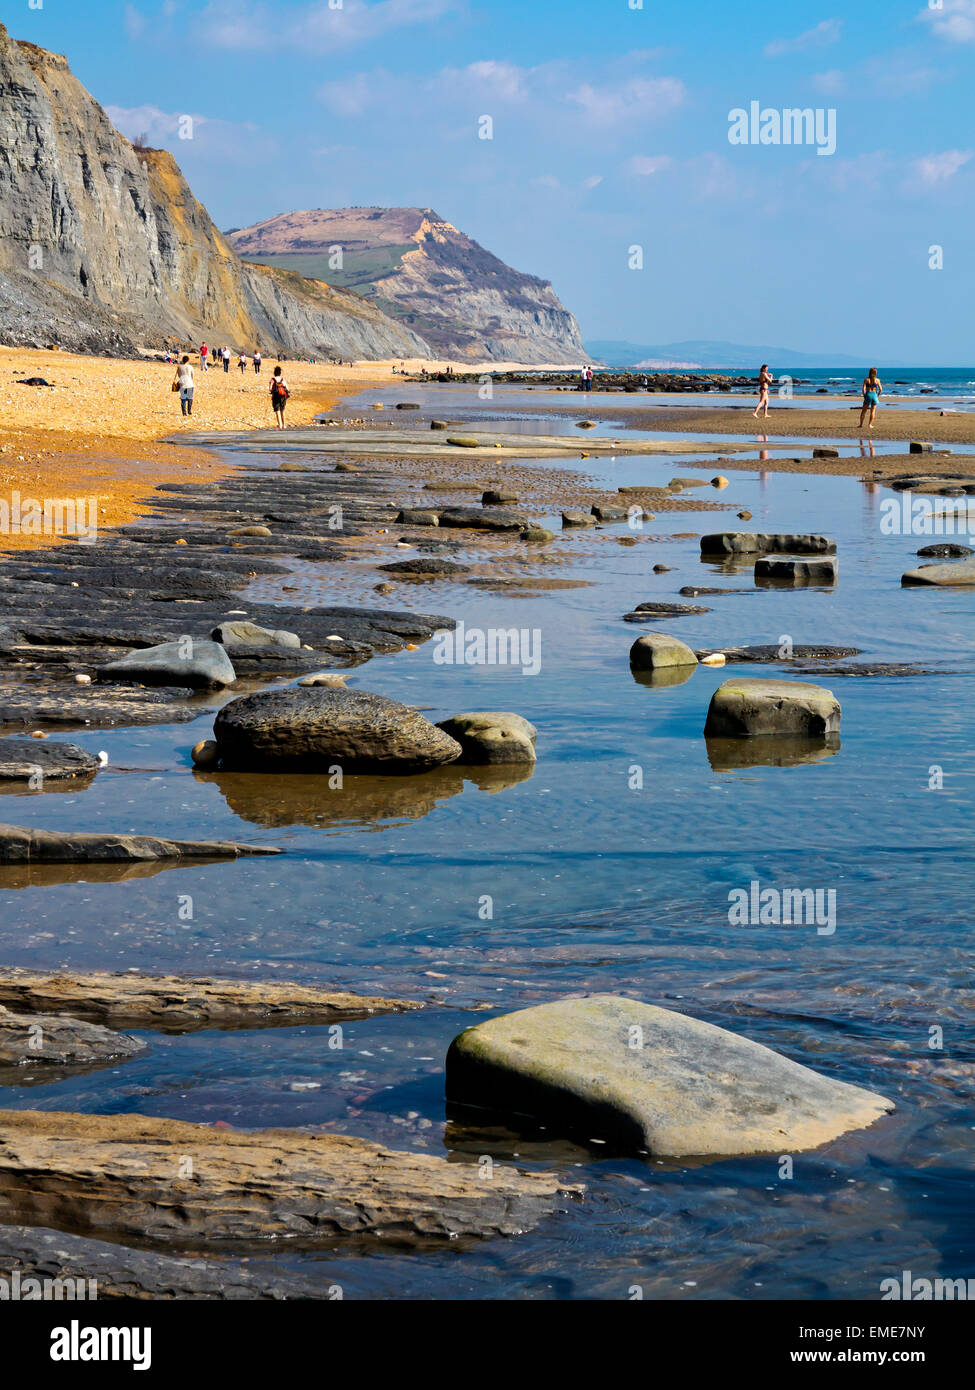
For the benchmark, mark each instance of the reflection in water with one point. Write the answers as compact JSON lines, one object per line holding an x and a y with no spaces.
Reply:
{"x":376,"y":803}
{"x":663,"y":675}
{"x":48,"y":784}
{"x":798,"y":581}
{"x":49,"y":875}
{"x":726,"y":754}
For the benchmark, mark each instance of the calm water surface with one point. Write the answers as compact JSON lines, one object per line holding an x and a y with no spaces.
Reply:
{"x":602,"y":878}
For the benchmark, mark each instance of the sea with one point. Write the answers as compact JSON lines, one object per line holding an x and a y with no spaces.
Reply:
{"x":954,"y":382}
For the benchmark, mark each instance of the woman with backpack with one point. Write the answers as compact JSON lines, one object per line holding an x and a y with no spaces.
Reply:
{"x":279,"y":396}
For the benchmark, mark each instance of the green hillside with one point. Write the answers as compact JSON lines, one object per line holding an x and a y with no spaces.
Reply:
{"x":359,"y":269}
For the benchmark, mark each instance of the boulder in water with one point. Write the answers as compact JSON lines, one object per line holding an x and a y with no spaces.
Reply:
{"x":655,"y":649}
{"x":27,"y":760}
{"x":962,"y":572}
{"x":747,"y":707}
{"x":488,"y":737}
{"x":818,"y":569}
{"x":312,"y":729}
{"x":758,"y":543}
{"x":649,"y":1079}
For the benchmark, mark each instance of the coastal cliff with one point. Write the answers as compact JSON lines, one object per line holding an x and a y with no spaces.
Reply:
{"x":432,"y":278}
{"x":104,"y":248}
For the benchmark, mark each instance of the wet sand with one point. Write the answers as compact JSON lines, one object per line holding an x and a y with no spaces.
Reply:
{"x":841,"y":423}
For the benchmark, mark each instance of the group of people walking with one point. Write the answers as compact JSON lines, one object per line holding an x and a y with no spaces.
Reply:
{"x":184,"y":384}
{"x":871,"y":389}
{"x":222,"y":357}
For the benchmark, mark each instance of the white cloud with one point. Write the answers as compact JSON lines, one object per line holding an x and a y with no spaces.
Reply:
{"x":186,"y":134}
{"x":490,"y":78}
{"x":648,"y":164}
{"x":939,"y":168}
{"x":824,"y":34}
{"x":641,"y":98}
{"x":317,"y":27}
{"x":134,"y":22}
{"x":351,"y":96}
{"x":593,"y":181}
{"x":829,"y":83}
{"x":953,"y":21}
{"x":150,"y":121}
{"x":549,"y":98}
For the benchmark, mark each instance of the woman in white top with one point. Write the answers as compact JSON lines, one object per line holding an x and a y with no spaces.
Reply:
{"x":184,"y":384}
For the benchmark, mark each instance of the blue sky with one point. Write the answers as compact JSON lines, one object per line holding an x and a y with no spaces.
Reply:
{"x":610,"y":130}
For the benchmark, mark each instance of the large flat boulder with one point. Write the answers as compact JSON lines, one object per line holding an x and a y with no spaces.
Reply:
{"x":426,"y":566}
{"x":41,"y":1039}
{"x":40,"y":760}
{"x":797,"y":571}
{"x":127,"y":1177}
{"x":769,"y":652}
{"x":945,"y":550}
{"x":53,"y":704}
{"x":119,"y":1271}
{"x":199,"y":664}
{"x":19,"y":845}
{"x":241,"y":633}
{"x":747,"y":707}
{"x":656,"y":649}
{"x":758,"y":542}
{"x":487,"y":737}
{"x":484,"y":518}
{"x":645,"y":1078}
{"x":960,"y":572}
{"x":173,"y":1003}
{"x":311,"y":730}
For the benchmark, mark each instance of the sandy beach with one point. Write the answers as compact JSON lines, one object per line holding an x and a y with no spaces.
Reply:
{"x":100,"y":429}
{"x":108,"y":429}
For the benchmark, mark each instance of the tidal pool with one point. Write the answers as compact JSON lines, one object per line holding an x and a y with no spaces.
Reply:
{"x":610,"y":867}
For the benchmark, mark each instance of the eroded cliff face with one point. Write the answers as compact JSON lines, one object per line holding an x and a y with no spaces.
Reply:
{"x":421,"y":270}
{"x":103,"y":247}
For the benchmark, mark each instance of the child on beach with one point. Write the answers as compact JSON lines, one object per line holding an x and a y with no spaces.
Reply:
{"x":203,"y":356}
{"x":242,"y":363}
{"x":279,"y":396}
{"x":183,"y":383}
{"x":872,"y":389}
{"x":764,"y":382}
{"x":257,"y":363}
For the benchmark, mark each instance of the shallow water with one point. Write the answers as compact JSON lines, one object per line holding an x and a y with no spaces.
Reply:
{"x":595,"y":884}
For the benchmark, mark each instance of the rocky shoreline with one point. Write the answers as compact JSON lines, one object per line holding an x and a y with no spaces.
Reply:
{"x":149,"y":626}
